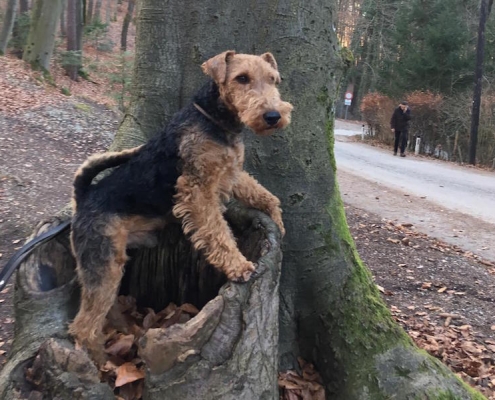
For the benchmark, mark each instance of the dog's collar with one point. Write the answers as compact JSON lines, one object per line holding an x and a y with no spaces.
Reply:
{"x":217,"y":123}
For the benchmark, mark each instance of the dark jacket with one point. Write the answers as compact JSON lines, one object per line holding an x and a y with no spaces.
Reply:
{"x":400,"y":119}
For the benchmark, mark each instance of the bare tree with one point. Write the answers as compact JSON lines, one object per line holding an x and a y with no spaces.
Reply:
{"x":24,"y":6}
{"x":485,"y":9}
{"x":97,"y":12}
{"x":108,"y":11}
{"x":8,"y":24}
{"x":74,"y":38}
{"x":89,"y":11}
{"x":63,"y":22}
{"x":41,"y":39}
{"x":125,"y":25}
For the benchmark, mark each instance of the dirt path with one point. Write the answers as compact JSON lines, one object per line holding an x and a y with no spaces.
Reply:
{"x":40,"y":151}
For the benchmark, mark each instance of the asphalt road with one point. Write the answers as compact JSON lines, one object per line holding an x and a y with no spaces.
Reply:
{"x":454,"y":203}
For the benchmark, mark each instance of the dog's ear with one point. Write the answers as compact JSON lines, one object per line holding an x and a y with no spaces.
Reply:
{"x":216,"y":67}
{"x":268,"y":57}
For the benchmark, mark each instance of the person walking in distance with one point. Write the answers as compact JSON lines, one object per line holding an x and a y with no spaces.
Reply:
{"x":400,"y":126}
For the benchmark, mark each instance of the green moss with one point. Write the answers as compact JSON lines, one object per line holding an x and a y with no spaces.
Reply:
{"x":362,"y":324}
{"x":448,"y":395}
{"x":65,"y":91}
{"x":83,"y":107}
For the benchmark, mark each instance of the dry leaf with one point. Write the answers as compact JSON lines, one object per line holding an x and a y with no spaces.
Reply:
{"x":121,"y":346}
{"x":127,"y":373}
{"x":189,"y":308}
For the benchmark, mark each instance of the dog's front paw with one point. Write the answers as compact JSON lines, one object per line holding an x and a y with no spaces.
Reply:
{"x":243,"y":273}
{"x":276,"y":216}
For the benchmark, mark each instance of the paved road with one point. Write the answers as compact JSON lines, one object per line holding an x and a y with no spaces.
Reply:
{"x":454,"y":203}
{"x":457,"y":188}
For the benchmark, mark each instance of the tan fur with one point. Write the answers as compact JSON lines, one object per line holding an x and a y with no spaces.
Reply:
{"x":210,"y":170}
{"x":250,"y":101}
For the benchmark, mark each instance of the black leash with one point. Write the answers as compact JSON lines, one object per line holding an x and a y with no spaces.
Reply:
{"x":21,"y":254}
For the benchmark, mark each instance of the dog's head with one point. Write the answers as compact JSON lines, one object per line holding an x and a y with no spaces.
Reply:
{"x":248,"y":87}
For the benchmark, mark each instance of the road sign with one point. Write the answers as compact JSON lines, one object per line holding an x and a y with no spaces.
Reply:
{"x":348,"y":95}
{"x":347,"y":102}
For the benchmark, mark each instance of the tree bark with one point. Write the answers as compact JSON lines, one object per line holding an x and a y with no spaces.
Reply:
{"x":330,"y":311}
{"x":63,"y":20}
{"x":8,"y":24}
{"x":485,"y":8}
{"x":108,"y":11}
{"x":125,"y":25}
{"x":41,"y":39}
{"x":89,"y":11}
{"x":97,"y":13}
{"x":23,"y":6}
{"x":74,"y":37}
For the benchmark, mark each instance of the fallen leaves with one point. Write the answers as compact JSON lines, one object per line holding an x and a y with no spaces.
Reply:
{"x":126,"y":324}
{"x":127,"y":373}
{"x":455,"y":345}
{"x":296,"y":387}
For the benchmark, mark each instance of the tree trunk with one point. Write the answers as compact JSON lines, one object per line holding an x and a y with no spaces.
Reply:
{"x":74,"y":38}
{"x":41,"y":39}
{"x":97,"y":13}
{"x":108,"y":11}
{"x":485,"y":8}
{"x":125,"y":25}
{"x":63,"y":21}
{"x":8,"y":24}
{"x":89,"y":11}
{"x":331,"y":313}
{"x":23,"y":6}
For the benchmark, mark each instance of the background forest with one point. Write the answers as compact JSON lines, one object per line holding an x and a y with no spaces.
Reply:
{"x":422,"y":51}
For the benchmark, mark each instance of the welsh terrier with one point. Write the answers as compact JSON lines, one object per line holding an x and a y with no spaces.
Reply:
{"x":188,"y":170}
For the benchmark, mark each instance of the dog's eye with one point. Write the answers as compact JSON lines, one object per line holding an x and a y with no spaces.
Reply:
{"x":244,"y":79}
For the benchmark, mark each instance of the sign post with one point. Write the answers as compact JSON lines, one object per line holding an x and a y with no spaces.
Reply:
{"x":347,"y":101}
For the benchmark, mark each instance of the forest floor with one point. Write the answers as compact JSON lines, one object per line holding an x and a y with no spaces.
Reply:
{"x":442,"y":295}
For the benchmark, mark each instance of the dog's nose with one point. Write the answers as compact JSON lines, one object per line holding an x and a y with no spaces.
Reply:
{"x":271,"y":117}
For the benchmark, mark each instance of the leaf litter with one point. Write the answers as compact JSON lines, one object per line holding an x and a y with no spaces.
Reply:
{"x":125,"y":325}
{"x":441,"y":295}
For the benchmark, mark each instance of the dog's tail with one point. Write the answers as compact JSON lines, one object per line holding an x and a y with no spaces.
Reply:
{"x":96,"y":164}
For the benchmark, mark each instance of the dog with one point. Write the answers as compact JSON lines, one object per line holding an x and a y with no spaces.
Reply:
{"x":188,"y":170}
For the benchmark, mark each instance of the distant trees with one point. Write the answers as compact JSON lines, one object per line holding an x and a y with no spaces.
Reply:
{"x":8,"y":24}
{"x":402,"y":47}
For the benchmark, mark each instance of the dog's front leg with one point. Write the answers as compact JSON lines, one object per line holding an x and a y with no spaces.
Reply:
{"x":198,"y":205}
{"x":253,"y":194}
